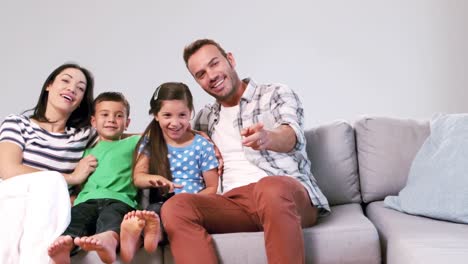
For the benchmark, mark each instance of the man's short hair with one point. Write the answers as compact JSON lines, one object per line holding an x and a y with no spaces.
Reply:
{"x":193,"y":47}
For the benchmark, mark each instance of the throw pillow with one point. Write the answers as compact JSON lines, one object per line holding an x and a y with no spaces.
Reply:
{"x":437,"y":185}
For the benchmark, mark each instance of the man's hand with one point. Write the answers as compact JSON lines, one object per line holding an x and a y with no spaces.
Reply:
{"x":218,"y":155}
{"x":256,"y":137}
{"x":281,"y":139}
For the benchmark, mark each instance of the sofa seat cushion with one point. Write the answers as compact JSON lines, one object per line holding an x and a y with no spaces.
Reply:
{"x":419,"y":251}
{"x":140,"y":257}
{"x":344,"y":236}
{"x":415,"y":239}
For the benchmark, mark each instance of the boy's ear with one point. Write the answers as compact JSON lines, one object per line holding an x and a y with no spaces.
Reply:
{"x":93,"y":121}
{"x":128,"y":123}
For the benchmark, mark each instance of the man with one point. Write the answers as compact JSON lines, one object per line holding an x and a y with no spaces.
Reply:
{"x":266,"y":182}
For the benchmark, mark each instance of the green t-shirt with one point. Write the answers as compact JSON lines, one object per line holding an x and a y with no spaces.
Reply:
{"x":112,"y":178}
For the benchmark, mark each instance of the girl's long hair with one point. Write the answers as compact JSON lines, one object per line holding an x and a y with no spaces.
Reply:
{"x":156,"y":148}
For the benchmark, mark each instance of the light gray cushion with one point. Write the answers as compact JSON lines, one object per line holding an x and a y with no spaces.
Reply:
{"x":341,"y":237}
{"x":140,"y":257}
{"x":415,"y":239}
{"x":437,"y":184}
{"x":332,"y":151}
{"x":386,"y":147}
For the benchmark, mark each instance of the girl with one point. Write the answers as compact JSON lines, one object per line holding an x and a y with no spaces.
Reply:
{"x":39,"y":155}
{"x":172,"y":158}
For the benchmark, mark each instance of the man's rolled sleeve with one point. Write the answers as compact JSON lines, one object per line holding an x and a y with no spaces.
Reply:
{"x":287,"y":110}
{"x":200,"y":122}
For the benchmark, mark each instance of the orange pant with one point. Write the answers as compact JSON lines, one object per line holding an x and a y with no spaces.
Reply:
{"x":277,"y":205}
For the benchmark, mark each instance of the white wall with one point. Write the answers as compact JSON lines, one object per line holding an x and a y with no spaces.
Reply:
{"x":345,"y":58}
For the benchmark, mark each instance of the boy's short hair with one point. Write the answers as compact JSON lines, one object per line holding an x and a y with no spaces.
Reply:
{"x":113,"y":97}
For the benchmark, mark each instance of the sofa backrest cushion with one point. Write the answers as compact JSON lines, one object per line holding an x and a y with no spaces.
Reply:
{"x":437,"y":185}
{"x":332,"y":151}
{"x":386,"y":148}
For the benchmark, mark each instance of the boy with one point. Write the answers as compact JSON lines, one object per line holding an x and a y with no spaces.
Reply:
{"x":109,"y":193}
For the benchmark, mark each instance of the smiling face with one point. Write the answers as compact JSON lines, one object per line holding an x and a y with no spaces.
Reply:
{"x":110,"y":120}
{"x":216,"y":74}
{"x":67,"y":90}
{"x":174,"y":120}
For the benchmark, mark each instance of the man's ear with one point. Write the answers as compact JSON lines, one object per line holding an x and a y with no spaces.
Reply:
{"x":231,"y":59}
{"x":93,"y":121}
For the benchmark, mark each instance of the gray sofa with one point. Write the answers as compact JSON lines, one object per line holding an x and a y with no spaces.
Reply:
{"x":386,"y":147}
{"x":355,"y":168}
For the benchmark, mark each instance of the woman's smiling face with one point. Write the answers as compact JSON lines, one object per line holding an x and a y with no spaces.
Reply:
{"x":67,"y":90}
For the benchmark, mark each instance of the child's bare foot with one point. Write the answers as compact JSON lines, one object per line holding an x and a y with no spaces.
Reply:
{"x":105,"y":244}
{"x":59,"y":250}
{"x":130,"y":231}
{"x":152,"y":231}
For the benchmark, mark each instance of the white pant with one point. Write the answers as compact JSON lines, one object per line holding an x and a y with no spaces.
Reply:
{"x":35,"y":210}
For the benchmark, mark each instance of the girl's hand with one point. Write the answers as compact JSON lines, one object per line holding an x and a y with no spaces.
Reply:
{"x":161,"y":182}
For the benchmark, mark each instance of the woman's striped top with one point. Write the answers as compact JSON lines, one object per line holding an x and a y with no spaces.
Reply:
{"x":45,"y":150}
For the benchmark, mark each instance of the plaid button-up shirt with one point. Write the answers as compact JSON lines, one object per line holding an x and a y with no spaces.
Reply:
{"x":274,"y":105}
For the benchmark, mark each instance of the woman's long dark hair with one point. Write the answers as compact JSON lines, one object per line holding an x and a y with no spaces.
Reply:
{"x":82,"y":115}
{"x":157,"y":147}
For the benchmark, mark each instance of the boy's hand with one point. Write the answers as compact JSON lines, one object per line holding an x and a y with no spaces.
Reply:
{"x":85,"y":167}
{"x":161,"y":182}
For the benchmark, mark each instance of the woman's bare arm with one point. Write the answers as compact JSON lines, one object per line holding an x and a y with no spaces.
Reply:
{"x":11,"y":161}
{"x":11,"y":165}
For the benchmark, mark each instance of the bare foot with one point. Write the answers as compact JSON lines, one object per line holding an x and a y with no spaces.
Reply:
{"x":130,"y":231}
{"x":152,"y":231}
{"x":105,"y":244}
{"x":59,"y":250}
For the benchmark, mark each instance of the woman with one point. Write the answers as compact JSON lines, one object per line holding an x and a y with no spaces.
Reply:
{"x":39,"y":155}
